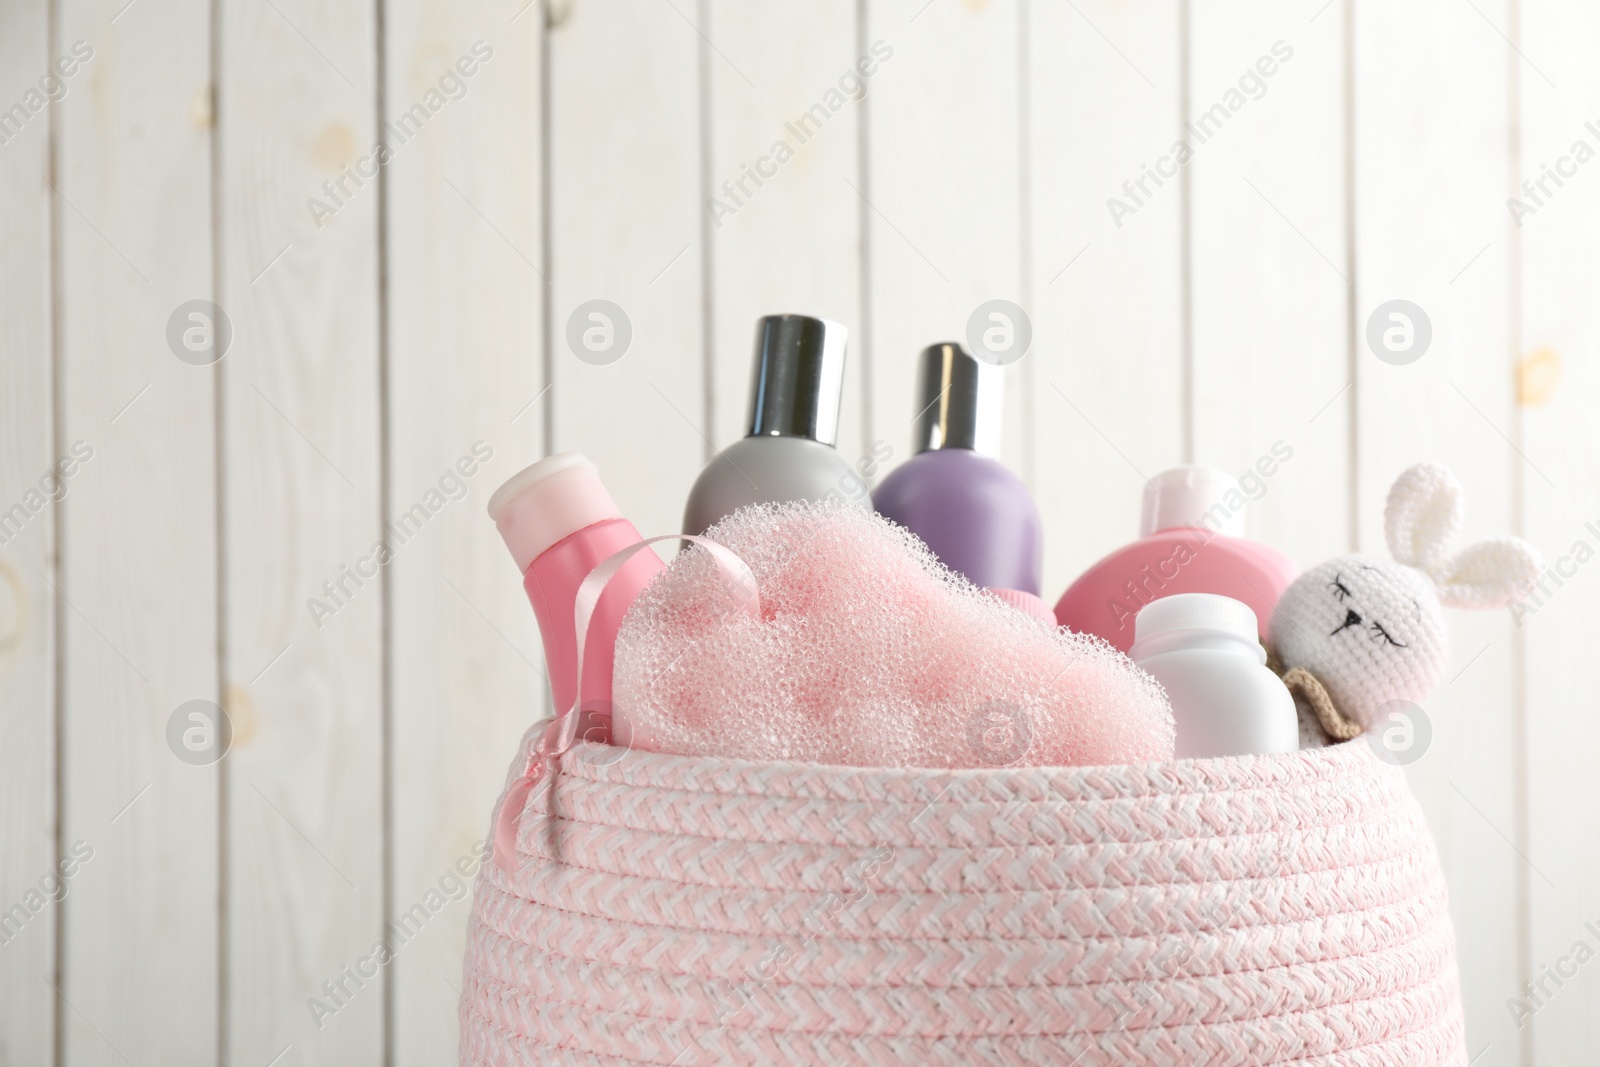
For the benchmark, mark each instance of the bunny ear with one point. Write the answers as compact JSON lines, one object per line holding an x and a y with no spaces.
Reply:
{"x":1422,"y":516}
{"x":1489,"y":574}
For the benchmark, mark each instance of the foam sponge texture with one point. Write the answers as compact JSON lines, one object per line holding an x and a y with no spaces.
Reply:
{"x":868,"y":652}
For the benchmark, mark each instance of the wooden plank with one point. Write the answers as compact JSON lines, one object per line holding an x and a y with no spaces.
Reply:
{"x":625,"y":227}
{"x":1440,"y":110}
{"x":302,"y":508}
{"x":138,"y":589}
{"x":1557,"y":83}
{"x":941,"y":193}
{"x":1108,"y":349}
{"x":791,"y":242}
{"x":27,"y":556}
{"x":1268,"y":265}
{"x":466,"y":373}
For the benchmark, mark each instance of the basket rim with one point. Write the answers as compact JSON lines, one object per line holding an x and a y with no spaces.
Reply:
{"x":726,"y":776}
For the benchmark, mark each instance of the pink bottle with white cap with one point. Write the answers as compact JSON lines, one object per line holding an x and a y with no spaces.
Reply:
{"x":1188,"y":543}
{"x":559,"y":522}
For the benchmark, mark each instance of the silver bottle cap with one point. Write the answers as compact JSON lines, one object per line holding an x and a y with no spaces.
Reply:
{"x":798,"y":378}
{"x":959,"y":401}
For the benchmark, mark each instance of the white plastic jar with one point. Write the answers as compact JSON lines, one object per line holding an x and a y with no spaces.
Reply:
{"x":1204,"y":651}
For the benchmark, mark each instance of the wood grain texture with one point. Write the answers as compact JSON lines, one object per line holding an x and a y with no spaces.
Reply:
{"x":1557,"y":86}
{"x":625,"y":227}
{"x":27,"y":551}
{"x":304,"y":798}
{"x":1108,"y":361}
{"x":1437,"y":106}
{"x":466,"y":411}
{"x":1269,"y":266}
{"x":779,"y":182}
{"x":941,"y":191}
{"x":138,"y":580}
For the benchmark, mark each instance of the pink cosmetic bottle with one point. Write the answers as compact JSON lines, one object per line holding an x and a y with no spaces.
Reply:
{"x":1189,"y":542}
{"x":559,"y":522}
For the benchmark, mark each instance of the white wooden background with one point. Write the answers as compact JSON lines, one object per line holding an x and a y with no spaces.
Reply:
{"x":429,"y":313}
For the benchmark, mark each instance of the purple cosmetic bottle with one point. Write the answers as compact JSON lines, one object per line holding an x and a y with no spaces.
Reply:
{"x":967,"y":506}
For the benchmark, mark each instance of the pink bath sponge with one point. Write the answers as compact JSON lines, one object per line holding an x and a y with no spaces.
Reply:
{"x":867,"y":652}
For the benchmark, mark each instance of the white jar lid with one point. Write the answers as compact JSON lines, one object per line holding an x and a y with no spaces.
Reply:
{"x":1195,"y":613}
{"x":1191,"y":497}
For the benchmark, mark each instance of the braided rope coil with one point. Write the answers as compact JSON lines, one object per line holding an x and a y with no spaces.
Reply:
{"x":669,"y":910}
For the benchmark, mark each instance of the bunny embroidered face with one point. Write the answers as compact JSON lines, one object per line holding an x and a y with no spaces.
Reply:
{"x":1368,"y":631}
{"x":1371,"y":631}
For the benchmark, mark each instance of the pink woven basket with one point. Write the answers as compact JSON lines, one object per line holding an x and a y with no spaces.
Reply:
{"x":671,"y":910}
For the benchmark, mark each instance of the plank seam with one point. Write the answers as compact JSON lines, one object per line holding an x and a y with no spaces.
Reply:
{"x":546,"y":251}
{"x":219,"y":466}
{"x":1351,"y":260}
{"x":864,"y":231}
{"x":1519,"y":659}
{"x":1186,"y":245}
{"x":1025,"y":224}
{"x":385,"y":503}
{"x":53,"y":564}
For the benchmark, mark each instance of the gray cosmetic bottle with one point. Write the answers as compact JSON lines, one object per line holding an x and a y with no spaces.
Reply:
{"x":787,"y":453}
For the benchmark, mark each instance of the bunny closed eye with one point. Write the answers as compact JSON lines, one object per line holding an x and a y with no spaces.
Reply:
{"x":1380,"y":634}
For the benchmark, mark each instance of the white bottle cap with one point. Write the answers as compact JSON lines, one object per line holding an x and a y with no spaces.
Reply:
{"x":1191,"y":497}
{"x":546,"y":502}
{"x":1196,"y":613}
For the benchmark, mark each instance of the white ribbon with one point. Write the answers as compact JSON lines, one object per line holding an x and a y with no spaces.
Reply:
{"x":562,"y":732}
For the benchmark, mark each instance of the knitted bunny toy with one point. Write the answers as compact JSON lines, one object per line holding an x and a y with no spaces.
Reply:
{"x":1356,"y":632}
